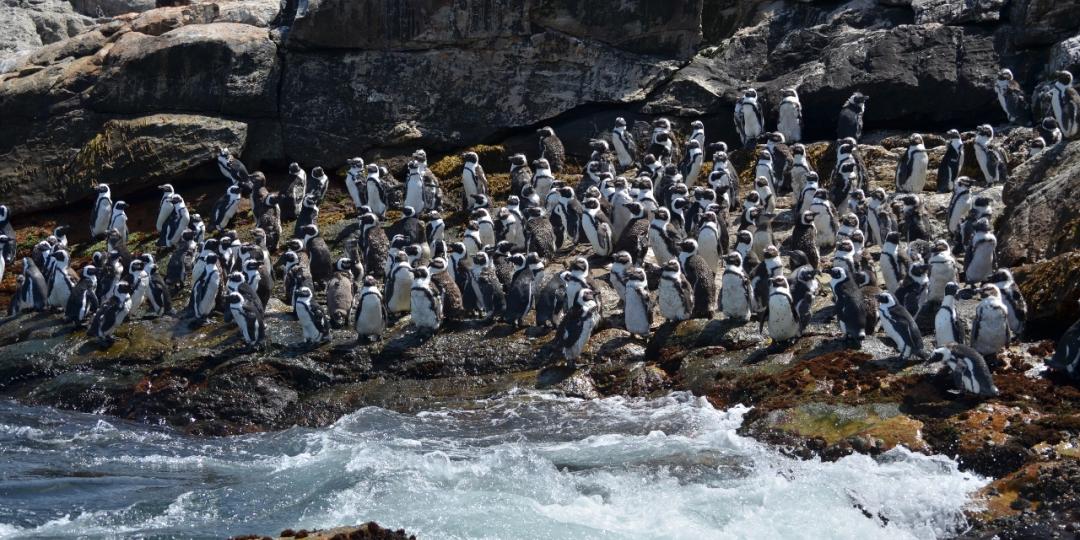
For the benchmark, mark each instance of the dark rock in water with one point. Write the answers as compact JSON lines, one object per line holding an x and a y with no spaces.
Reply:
{"x":1042,"y":213}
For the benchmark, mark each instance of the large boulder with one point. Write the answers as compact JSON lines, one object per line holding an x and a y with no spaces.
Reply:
{"x":335,"y":104}
{"x":1042,"y":213}
{"x":221,"y":68}
{"x":140,"y":152}
{"x":646,"y":26}
{"x":1043,"y":22}
{"x":109,"y":8}
{"x":27,"y":24}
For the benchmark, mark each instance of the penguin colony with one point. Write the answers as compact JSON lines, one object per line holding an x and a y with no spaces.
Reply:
{"x":681,"y":242}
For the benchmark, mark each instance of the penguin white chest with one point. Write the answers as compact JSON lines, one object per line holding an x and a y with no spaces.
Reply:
{"x":636,"y":312}
{"x":671,"y":302}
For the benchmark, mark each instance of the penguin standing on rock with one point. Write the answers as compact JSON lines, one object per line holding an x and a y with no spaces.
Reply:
{"x":1065,"y":104}
{"x":317,"y":185}
{"x":900,"y":327}
{"x":639,"y":304}
{"x":850,"y":123}
{"x":293,"y":196}
{"x":1012,"y":98}
{"x":488,"y":291}
{"x":577,"y":327}
{"x":521,"y":293}
{"x":735,"y":297}
{"x":782,"y":319}
{"x":101,"y":214}
{"x":969,"y":370}
{"x":204,"y":291}
{"x":802,"y":293}
{"x":626,"y":149}
{"x":1012,"y":298}
{"x":990,"y":329}
{"x":676,"y":295}
{"x":911,"y":169}
{"x":399,"y":286}
{"x":33,"y":293}
{"x":354,"y":182}
{"x":597,"y":227}
{"x":339,"y":293}
{"x":426,"y":311}
{"x":111,"y":315}
{"x":473,"y":179}
{"x":551,"y":149}
{"x":790,"y":120}
{"x":370,"y":319}
{"x":7,"y":250}
{"x":520,"y":174}
{"x":248,"y":318}
{"x":949,"y":170}
{"x":701,"y":276}
{"x":990,"y":156}
{"x":83,"y":301}
{"x":225,"y":209}
{"x":539,"y":234}
{"x":313,"y":320}
{"x":231,"y":168}
{"x":949,"y":327}
{"x":749,"y":121}
{"x":320,"y":264}
{"x":1049,"y":131}
{"x":852,"y":315}
{"x":980,"y":259}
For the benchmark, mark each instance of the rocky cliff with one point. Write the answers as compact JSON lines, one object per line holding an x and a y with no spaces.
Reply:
{"x":321,"y":81}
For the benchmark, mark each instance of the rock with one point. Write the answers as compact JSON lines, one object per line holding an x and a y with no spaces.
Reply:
{"x":170,"y":72}
{"x":1043,"y":22}
{"x":1042,"y":214}
{"x":319,"y":119}
{"x":147,"y":151}
{"x":859,"y":426}
{"x":110,"y":8}
{"x":259,"y":13}
{"x":1051,"y":289}
{"x":957,"y":11}
{"x":1065,"y":55}
{"x":27,"y":24}
{"x":645,"y":26}
{"x":158,"y":21}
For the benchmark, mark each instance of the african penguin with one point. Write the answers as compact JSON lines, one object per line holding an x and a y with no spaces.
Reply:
{"x":82,"y":301}
{"x":101,"y":213}
{"x":111,"y":315}
{"x":949,"y":327}
{"x":370,"y":319}
{"x":850,"y":122}
{"x":990,"y":328}
{"x":911,"y":168}
{"x":426,"y":313}
{"x":900,"y":327}
{"x":969,"y":370}
{"x":314,"y":323}
{"x":749,"y":121}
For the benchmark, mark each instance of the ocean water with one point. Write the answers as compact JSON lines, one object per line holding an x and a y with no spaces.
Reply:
{"x":523,"y":466}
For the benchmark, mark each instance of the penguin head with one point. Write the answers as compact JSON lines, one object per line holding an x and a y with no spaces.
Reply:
{"x":745,"y":237}
{"x":545,"y":132}
{"x":951,"y":288}
{"x":294,"y":244}
{"x":114,"y":235}
{"x":420,"y":155}
{"x":534,"y":260}
{"x":1049,"y":123}
{"x":943,"y":354}
{"x":252,"y":265}
{"x":662,"y":214}
{"x":1005,"y":75}
{"x":368,"y":220}
{"x":124,"y":288}
{"x":720,"y":157}
{"x":918,"y":270}
{"x":620,"y":122}
{"x":303,"y":294}
{"x":671,"y":267}
{"x":688,"y":246}
{"x":771,"y":252}
{"x":420,"y":273}
{"x":102,"y":189}
{"x":318,"y":173}
{"x":518,"y":261}
{"x":985,"y":130}
{"x":636,"y":209}
{"x":953,"y":134}
{"x":838,"y":273}
{"x":893,"y":238}
{"x":136,"y":265}
{"x":344,"y":264}
{"x":812,"y":179}
{"x":579,"y":264}
{"x":60,"y":255}
{"x":211,"y":259}
{"x":294,"y":168}
{"x":798,"y":149}
{"x":518,"y":160}
{"x":989,"y":290}
{"x":412,"y":252}
{"x":457,"y":248}
{"x":235,"y":299}
{"x":370,"y":282}
{"x":749,"y":93}
{"x":788,"y":92}
{"x":679,"y":203}
{"x":763,"y":153}
{"x":309,"y":231}
{"x":940,"y":246}
{"x":806,"y":275}
{"x":778,"y":282}
{"x":916,"y":140}
{"x":591,"y":203}
{"x":542,"y":163}
{"x":355,"y":163}
{"x":708,"y":217}
{"x":504,"y":248}
{"x":696,"y":125}
{"x":858,"y":98}
{"x":89,"y":271}
{"x":147,"y":259}
{"x":808,"y":217}
{"x":845,"y":245}
{"x":4,"y":239}
{"x":437,"y":265}
{"x":662,"y":123}
{"x":1065,"y":77}
{"x":223,"y":152}
{"x":849,"y":219}
{"x":167,"y":188}
{"x":1002,"y":277}
{"x":761,"y":182}
{"x":776,"y":137}
{"x":4,"y":211}
{"x":885,"y":300}
{"x":752,"y":198}
{"x":235,"y":279}
{"x":480,"y":259}
{"x":982,"y":225}
{"x":585,"y":296}
{"x":635,"y":274}
{"x":621,"y":257}
{"x":857,"y":237}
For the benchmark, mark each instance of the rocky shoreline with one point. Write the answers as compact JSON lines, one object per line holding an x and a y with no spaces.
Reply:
{"x":81,"y":110}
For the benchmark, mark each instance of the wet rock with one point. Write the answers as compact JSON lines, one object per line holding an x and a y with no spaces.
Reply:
{"x":635,"y":380}
{"x":1041,"y":218}
{"x":261,"y":13}
{"x":158,"y":21}
{"x":671,"y":342}
{"x":858,"y":428}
